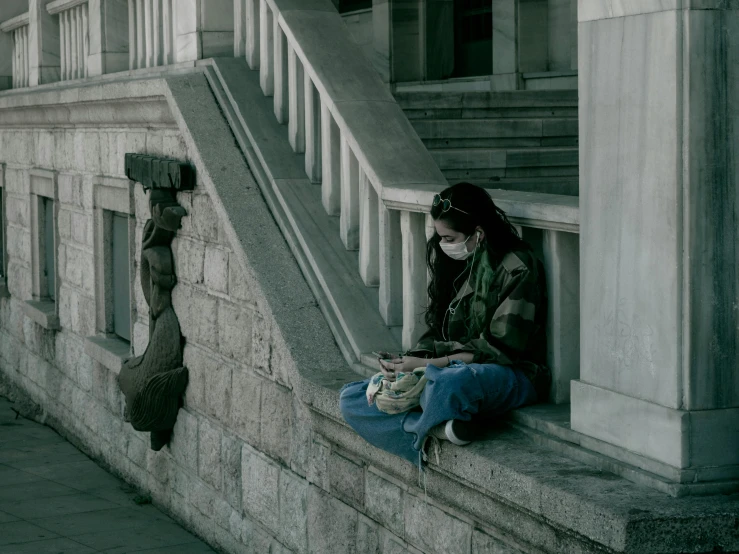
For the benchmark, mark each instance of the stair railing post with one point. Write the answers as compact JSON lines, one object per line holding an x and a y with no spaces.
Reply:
{"x":413,"y":231}
{"x":390,"y":265}
{"x":313,"y":138}
{"x":349,"y":217}
{"x":296,"y":101}
{"x":266,"y":49}
{"x":369,"y":233}
{"x":330,"y":162}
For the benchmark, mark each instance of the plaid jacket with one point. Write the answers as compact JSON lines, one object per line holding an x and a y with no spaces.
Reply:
{"x":515,"y":312}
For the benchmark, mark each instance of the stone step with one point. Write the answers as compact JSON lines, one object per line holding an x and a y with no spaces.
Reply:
{"x":488,"y":158}
{"x":495,"y":128}
{"x":489,"y":113}
{"x":492,"y":174}
{"x":487,"y":100}
{"x":498,"y":142}
{"x":567,"y":185}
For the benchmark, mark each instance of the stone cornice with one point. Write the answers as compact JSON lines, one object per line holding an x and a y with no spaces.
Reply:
{"x":58,"y":6}
{"x":14,"y":23}
{"x":116,"y":103}
{"x":147,"y":112}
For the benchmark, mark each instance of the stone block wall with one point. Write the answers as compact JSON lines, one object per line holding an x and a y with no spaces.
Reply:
{"x":248,"y":467}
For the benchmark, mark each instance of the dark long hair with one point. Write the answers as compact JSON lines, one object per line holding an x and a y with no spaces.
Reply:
{"x":501,"y":237}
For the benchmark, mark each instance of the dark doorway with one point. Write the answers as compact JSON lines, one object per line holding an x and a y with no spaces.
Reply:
{"x":354,"y":5}
{"x":473,"y":38}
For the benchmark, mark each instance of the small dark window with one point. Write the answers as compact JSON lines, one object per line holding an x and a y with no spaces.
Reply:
{"x":121,"y":277}
{"x":473,"y":38}
{"x":49,"y":247}
{"x":354,"y":5}
{"x":2,"y":234}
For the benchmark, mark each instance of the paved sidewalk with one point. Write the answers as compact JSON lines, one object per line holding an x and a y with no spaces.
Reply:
{"x":55,"y":500}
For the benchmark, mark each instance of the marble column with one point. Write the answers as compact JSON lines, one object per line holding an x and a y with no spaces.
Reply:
{"x":108,"y":20}
{"x":203,"y":29}
{"x":43,"y":44}
{"x":382,"y":38}
{"x":659,"y":209}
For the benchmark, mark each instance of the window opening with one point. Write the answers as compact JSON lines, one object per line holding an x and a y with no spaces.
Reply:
{"x":49,"y":250}
{"x":354,"y":5}
{"x":473,"y":38}
{"x":121,"y":277}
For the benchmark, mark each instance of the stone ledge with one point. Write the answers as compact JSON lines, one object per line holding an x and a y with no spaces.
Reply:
{"x":109,"y":352}
{"x":42,"y":312}
{"x":512,"y":483}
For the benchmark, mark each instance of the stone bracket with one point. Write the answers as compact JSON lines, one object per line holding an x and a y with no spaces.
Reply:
{"x":159,"y":173}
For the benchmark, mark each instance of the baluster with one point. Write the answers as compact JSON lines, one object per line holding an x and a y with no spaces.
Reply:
{"x":85,"y":39}
{"x":140,"y":48}
{"x":281,"y":91}
{"x":21,"y":58}
{"x":251,"y":38}
{"x":266,"y":50}
{"x":562,"y":267}
{"x":167,"y":32}
{"x":18,"y":75}
{"x":74,"y":37}
{"x":430,"y":230}
{"x":156,"y":32}
{"x":239,"y":27}
{"x":25,"y":53}
{"x":412,"y":228}
{"x":349,"y":217}
{"x":330,"y":162}
{"x":14,"y":60}
{"x":312,"y":132}
{"x":391,"y":265}
{"x":296,"y":103}
{"x":62,"y":58}
{"x":80,"y":44}
{"x":132,"y":46}
{"x":68,"y":41}
{"x":369,"y":236}
{"x":149,"y":34}
{"x":18,"y":45}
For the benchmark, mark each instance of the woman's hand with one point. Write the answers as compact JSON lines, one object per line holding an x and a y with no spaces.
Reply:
{"x":402,"y":363}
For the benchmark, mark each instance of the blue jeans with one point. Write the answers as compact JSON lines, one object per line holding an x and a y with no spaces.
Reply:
{"x":458,"y":391}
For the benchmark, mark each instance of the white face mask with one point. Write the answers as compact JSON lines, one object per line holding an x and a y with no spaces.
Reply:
{"x":457,"y":250}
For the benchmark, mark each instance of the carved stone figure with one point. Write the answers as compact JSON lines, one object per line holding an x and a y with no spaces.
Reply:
{"x":154,"y":382}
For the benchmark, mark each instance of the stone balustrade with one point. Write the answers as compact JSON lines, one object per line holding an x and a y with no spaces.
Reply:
{"x":74,"y":36}
{"x":549,"y":222}
{"x":379,"y":179}
{"x":21,"y":67}
{"x":151,"y":33}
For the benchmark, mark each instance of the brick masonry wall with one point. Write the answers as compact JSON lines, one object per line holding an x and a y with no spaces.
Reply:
{"x":247,"y":468}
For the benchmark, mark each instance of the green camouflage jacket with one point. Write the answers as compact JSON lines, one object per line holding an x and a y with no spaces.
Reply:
{"x":515,"y":312}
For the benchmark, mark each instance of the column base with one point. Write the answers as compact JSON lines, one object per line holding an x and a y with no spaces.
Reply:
{"x":687,"y":446}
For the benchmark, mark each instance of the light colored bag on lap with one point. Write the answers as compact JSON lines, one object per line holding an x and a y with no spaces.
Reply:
{"x":401,"y":395}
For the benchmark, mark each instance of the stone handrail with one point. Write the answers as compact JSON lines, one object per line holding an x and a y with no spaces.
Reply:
{"x":74,"y":36}
{"x":355,"y":137}
{"x":58,"y":6}
{"x":18,"y":27}
{"x":16,"y":22}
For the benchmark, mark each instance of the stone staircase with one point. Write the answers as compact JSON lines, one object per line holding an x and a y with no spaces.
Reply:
{"x":519,"y":140}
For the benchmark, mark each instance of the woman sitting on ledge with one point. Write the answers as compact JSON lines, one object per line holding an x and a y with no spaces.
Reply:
{"x":485,"y":345}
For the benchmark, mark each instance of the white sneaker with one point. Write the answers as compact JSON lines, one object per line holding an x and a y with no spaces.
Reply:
{"x":445,"y":431}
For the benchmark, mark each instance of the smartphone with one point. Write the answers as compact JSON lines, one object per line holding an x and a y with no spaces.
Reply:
{"x":381,"y":356}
